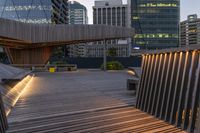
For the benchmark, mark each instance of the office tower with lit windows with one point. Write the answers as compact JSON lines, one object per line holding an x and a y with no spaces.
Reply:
{"x":35,"y":11}
{"x":156,"y":23}
{"x":111,"y":12}
{"x":190,"y":31}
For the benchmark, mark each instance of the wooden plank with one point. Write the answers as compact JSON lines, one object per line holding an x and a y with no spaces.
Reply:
{"x":144,"y":62}
{"x":153,"y":84}
{"x":98,"y":90}
{"x":155,"y":93}
{"x":176,"y":94}
{"x":195,"y":101}
{"x":171,"y":85}
{"x":140,"y":87}
{"x":153,"y":59}
{"x":147,"y":76}
{"x":183,"y":87}
{"x":160,"y":87}
{"x":189,"y":92}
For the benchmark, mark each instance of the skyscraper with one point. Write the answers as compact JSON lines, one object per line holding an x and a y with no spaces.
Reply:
{"x":190,"y":30}
{"x":77,"y":15}
{"x":111,"y":12}
{"x":156,"y":23}
{"x":35,"y":11}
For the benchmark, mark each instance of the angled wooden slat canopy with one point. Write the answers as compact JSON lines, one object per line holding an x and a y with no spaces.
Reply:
{"x":23,"y":35}
{"x":32,"y":43}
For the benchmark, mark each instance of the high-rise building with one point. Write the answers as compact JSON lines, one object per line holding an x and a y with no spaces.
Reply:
{"x":77,"y":15}
{"x":190,"y":30}
{"x":35,"y":11}
{"x":156,"y":23}
{"x":111,"y":12}
{"x":77,"y":50}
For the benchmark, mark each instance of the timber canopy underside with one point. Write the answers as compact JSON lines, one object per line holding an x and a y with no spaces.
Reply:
{"x":14,"y":34}
{"x":32,"y":43}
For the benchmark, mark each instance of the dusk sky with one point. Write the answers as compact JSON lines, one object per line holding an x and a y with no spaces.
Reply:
{"x":187,"y":7}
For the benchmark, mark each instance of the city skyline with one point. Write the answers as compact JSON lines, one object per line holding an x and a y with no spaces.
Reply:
{"x":187,"y":8}
{"x":134,"y":68}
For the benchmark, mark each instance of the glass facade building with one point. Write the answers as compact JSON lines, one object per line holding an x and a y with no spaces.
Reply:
{"x":77,"y":13}
{"x":35,"y":11}
{"x":190,"y":31}
{"x":156,"y":23}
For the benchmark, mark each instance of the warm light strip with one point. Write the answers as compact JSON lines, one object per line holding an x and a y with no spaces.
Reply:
{"x":19,"y":95}
{"x":16,"y":87}
{"x":131,"y":72}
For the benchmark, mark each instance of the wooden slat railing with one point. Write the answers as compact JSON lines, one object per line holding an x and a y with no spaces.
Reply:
{"x":3,"y":119}
{"x":169,"y":87}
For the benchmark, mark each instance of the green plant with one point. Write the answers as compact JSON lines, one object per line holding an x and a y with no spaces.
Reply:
{"x":113,"y":65}
{"x":59,"y":62}
{"x":112,"y":52}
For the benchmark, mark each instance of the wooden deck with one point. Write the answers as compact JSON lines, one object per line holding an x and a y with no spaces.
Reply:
{"x":82,"y":101}
{"x":126,"y":119}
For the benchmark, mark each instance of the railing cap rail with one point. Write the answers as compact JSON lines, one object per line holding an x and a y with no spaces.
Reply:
{"x":169,"y":50}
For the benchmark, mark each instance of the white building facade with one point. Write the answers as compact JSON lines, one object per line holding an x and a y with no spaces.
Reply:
{"x":111,"y":12}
